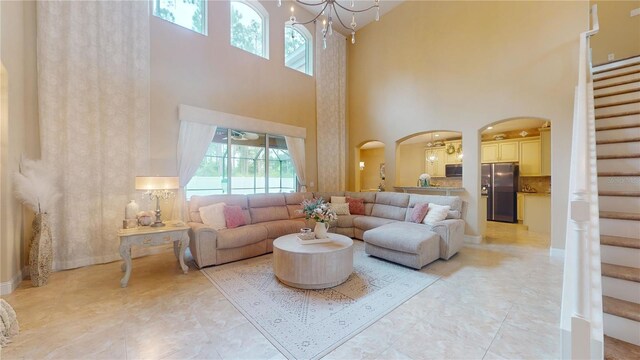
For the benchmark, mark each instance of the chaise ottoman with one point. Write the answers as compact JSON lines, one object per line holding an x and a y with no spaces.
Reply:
{"x":404,"y":243}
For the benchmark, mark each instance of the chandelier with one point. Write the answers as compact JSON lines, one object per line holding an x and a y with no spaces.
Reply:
{"x":330,"y":9}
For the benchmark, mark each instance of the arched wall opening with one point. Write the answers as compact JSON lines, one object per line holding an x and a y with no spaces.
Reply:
{"x":515,"y":174}
{"x":370,"y":166}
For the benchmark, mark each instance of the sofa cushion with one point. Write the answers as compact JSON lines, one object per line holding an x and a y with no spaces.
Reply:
{"x":345,"y":221}
{"x":213,"y":215}
{"x":455,"y":202}
{"x":338,"y":200}
{"x":272,"y":213}
{"x":356,"y":206}
{"x":436,"y":213}
{"x":198,"y":201}
{"x":365,"y":223}
{"x":241,"y":236}
{"x":326,"y":195}
{"x":278,"y":228}
{"x":390,"y":206}
{"x":401,"y":236}
{"x":233,"y":216}
{"x":369,"y":199}
{"x":266,"y":200}
{"x":296,"y":198}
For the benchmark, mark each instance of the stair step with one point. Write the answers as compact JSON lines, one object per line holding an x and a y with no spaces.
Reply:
{"x":621,"y":272}
{"x":615,"y":349}
{"x":623,"y":203}
{"x":628,"y":90}
{"x":617,"y":227}
{"x":610,"y":174}
{"x":621,"y":308}
{"x":617,"y":141}
{"x":622,"y":156}
{"x":617,"y":103}
{"x":618,"y":109}
{"x":621,"y":74}
{"x":615,"y":115}
{"x":620,"y":193}
{"x":619,"y":215}
{"x":625,"y":63}
{"x":619,"y":162}
{"x":618,"y":127}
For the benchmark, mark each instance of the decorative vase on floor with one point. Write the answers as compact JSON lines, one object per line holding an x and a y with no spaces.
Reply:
{"x":321,"y":230}
{"x":40,"y":255}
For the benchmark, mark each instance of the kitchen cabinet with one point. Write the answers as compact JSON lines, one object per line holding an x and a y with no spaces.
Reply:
{"x":454,"y":157}
{"x":435,"y":168}
{"x":502,"y":151}
{"x":537,"y":212}
{"x":530,"y":158}
{"x":520,"y":204}
{"x":545,"y":150}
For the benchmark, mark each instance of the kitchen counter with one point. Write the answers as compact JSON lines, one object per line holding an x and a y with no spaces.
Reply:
{"x":534,"y":193}
{"x":419,"y":190}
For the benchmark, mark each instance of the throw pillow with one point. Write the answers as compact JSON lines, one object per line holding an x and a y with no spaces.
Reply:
{"x":233,"y":216}
{"x":340,"y":209}
{"x":338,"y":200}
{"x":419,"y":212}
{"x":213,"y":215}
{"x":356,"y":206}
{"x":436,"y":213}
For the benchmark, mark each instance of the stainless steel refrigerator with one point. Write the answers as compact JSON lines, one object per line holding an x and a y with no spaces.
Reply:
{"x":500,"y":184}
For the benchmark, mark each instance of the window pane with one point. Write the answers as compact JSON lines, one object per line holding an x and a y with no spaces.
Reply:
{"x":247,"y":163}
{"x":211,"y":177}
{"x":282,"y":175}
{"x":247,"y":28}
{"x":190,"y":14}
{"x":295,"y":50}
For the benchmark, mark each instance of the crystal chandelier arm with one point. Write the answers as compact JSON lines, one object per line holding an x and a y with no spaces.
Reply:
{"x":314,"y":19}
{"x":341,"y":23}
{"x":353,"y":10}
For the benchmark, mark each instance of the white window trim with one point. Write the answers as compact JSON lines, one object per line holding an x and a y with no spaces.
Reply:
{"x":205,"y":16}
{"x":302,"y":30}
{"x":255,"y":5}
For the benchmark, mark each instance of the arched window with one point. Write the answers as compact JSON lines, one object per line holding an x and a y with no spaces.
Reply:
{"x":249,"y":27}
{"x":191,"y":14}
{"x":298,"y":53}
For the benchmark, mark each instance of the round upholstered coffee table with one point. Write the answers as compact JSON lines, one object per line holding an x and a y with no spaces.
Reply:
{"x":313,"y":266}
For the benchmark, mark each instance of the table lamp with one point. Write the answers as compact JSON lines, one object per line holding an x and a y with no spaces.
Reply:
{"x":157,"y":187}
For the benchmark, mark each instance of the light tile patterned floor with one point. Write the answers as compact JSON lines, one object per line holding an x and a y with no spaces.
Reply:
{"x":496,"y":300}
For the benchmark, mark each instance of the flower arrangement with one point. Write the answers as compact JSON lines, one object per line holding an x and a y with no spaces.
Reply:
{"x":318,"y":210}
{"x":424,"y":179}
{"x":35,"y":185}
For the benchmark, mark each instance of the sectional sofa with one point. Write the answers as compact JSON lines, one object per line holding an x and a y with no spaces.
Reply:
{"x":384,"y":227}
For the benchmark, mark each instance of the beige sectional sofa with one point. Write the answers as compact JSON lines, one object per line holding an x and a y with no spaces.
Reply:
{"x":269,"y":216}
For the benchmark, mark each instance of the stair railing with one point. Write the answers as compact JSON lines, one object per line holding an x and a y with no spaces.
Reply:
{"x":581,"y":315}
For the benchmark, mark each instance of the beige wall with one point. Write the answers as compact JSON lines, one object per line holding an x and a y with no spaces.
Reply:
{"x":370,"y":176}
{"x":207,"y":72}
{"x":19,"y":130}
{"x":619,"y":33}
{"x":409,"y":164}
{"x":463,"y":65}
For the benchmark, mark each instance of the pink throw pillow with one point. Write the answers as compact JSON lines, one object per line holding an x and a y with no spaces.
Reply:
{"x":234,"y":216}
{"x":356,"y":206}
{"x":419,"y":212}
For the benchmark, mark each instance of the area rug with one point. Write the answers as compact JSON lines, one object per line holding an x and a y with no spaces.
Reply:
{"x":308,"y":324}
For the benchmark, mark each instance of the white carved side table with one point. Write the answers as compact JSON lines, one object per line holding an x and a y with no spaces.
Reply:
{"x":152,"y":236}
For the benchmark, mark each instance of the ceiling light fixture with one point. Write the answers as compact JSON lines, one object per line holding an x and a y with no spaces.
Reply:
{"x":330,"y":9}
{"x":490,"y":127}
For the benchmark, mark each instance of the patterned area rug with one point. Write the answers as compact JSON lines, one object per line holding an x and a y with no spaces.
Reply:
{"x":308,"y":324}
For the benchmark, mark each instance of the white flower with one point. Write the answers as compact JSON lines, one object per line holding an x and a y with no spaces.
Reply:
{"x":425,"y":177}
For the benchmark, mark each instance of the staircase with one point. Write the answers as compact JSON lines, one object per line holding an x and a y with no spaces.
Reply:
{"x":617,"y":113}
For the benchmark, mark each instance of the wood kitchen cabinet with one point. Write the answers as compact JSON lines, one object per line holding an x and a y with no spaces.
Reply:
{"x":502,"y":151}
{"x":545,"y":150}
{"x":520,"y":206}
{"x":435,"y":168}
{"x":530,"y":158}
{"x":454,"y":157}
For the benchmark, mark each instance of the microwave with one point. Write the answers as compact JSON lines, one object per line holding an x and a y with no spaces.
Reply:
{"x":453,"y":170}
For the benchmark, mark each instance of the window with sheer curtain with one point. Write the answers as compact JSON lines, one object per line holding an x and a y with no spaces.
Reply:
{"x":241,"y":162}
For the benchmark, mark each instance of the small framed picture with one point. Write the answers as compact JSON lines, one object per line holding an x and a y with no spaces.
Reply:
{"x":382,"y":176}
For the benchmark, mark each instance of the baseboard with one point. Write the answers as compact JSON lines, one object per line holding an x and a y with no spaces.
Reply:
{"x":7,"y":287}
{"x":555,"y":252}
{"x":472,"y":239}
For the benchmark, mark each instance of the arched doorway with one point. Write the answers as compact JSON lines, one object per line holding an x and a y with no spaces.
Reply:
{"x":370,"y":166}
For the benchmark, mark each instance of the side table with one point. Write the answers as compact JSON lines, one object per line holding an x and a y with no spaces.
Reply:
{"x":152,"y":236}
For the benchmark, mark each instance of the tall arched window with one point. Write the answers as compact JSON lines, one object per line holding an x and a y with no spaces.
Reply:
{"x":249,"y":27}
{"x":298,"y":53}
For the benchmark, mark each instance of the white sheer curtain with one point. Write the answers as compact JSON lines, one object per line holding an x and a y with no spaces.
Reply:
{"x":193,"y":141}
{"x":331,"y":111}
{"x":296,"y":151}
{"x":93,"y":93}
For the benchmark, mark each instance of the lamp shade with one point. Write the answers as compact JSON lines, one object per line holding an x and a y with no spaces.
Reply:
{"x":157,"y":183}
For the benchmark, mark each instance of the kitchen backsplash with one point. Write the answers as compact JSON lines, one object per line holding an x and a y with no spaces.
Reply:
{"x":541,"y":184}
{"x":448,"y":182}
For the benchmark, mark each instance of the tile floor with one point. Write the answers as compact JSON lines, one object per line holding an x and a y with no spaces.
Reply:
{"x":496,"y":300}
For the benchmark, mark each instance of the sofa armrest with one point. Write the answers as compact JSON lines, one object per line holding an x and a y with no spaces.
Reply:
{"x":451,"y":233}
{"x":203,"y":243}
